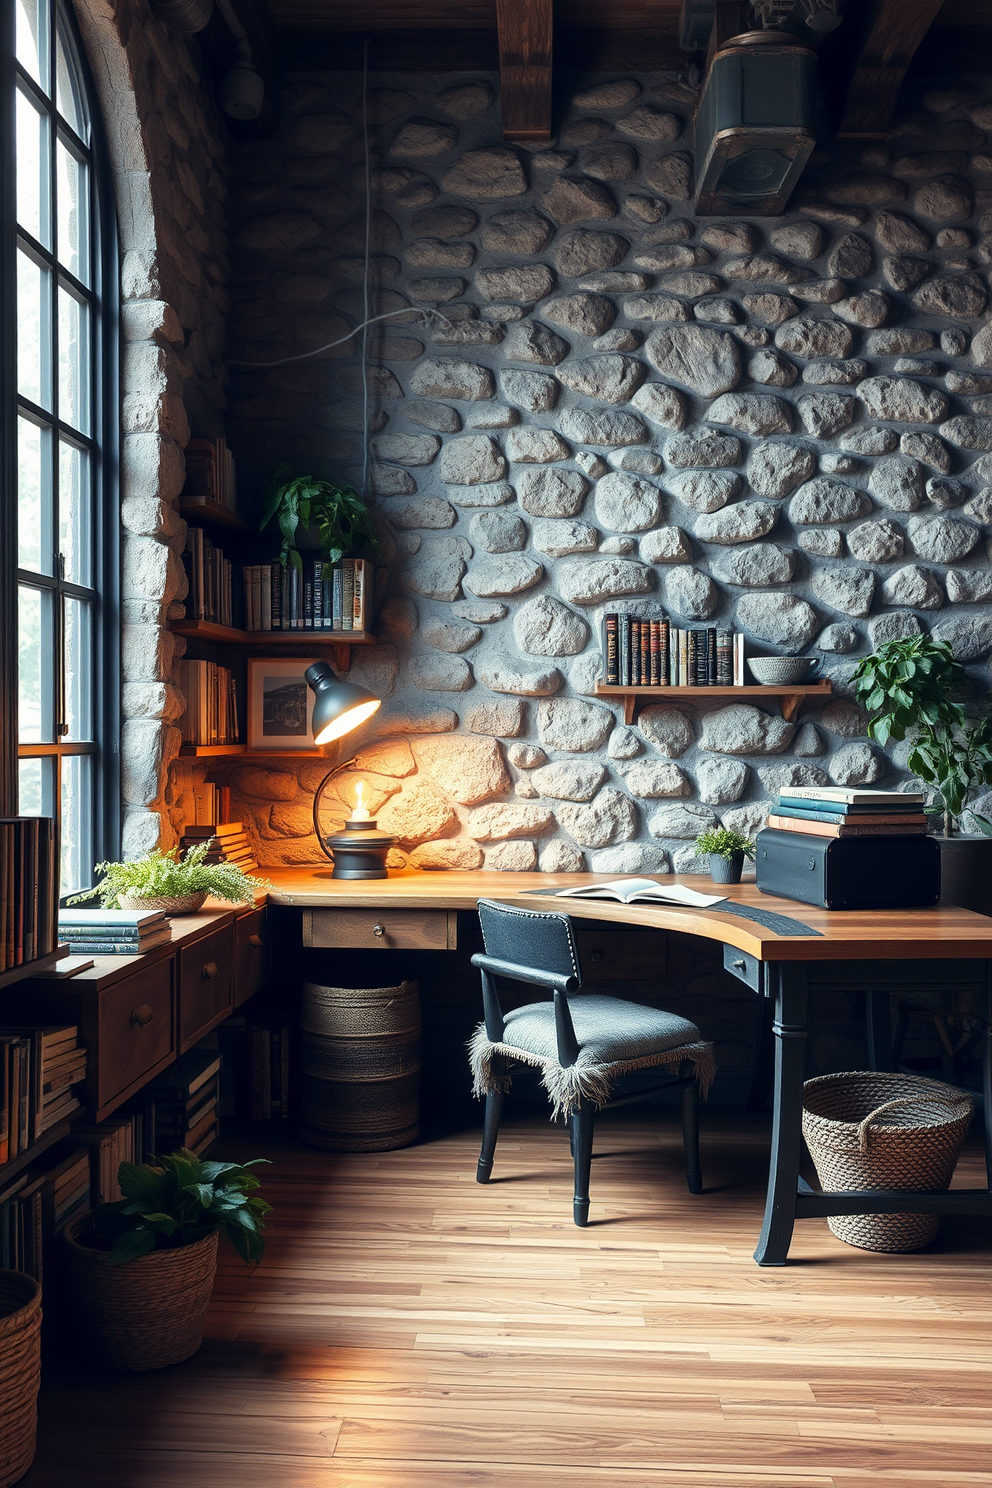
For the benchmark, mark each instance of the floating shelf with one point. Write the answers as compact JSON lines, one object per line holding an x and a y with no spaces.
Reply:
{"x":23,"y":1159}
{"x":208,"y":751}
{"x":635,"y":698}
{"x":339,"y":642}
{"x":210,"y":513}
{"x":32,"y":968}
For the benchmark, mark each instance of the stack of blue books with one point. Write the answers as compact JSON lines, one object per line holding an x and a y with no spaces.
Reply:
{"x":113,"y":932}
{"x":836,"y":811}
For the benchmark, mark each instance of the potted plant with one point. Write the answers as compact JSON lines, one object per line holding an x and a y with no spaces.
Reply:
{"x":166,"y":881}
{"x":910,"y":689}
{"x":320,"y":513}
{"x":141,"y":1269}
{"x":726,"y":850}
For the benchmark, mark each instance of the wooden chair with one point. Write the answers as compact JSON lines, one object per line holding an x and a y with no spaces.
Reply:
{"x":581,"y":1041}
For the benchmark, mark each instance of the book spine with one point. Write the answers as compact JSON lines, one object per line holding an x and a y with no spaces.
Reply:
{"x":308,"y":567}
{"x":294,"y":596}
{"x":275,"y":590}
{"x":824,"y":829}
{"x":612,"y":648}
{"x":645,"y":669}
{"x":654,"y":642}
{"x":624,"y":650}
{"x":635,"y":653}
{"x":664,"y":631}
{"x":858,"y":820}
{"x":337,"y":599}
{"x":347,"y":594}
{"x":358,"y":611}
{"x":266,"y":593}
{"x":318,"y":594}
{"x":711,"y":657}
{"x":327,"y":608}
{"x":256,"y":596}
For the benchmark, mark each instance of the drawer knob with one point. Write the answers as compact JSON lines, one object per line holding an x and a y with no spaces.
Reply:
{"x":595,"y":955}
{"x":255,"y":942}
{"x":142,"y":1016}
{"x":210,"y":971}
{"x":740,"y":965}
{"x":378,"y":931}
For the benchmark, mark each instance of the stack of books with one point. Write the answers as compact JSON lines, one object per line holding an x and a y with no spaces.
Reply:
{"x":256,"y":1069}
{"x":643,"y":652}
{"x":22,"y":1225}
{"x":108,"y":1145}
{"x":210,"y":471}
{"x":829,"y":811}
{"x":66,"y":1191}
{"x":318,"y":596}
{"x":41,"y":1070}
{"x":210,"y":577}
{"x":28,"y":872}
{"x":227,"y":842}
{"x":211,"y":712}
{"x":113,"y":932}
{"x":186,"y":1099}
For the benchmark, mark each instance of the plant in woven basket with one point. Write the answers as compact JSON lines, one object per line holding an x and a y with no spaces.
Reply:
{"x":166,"y":875}
{"x":178,"y":1201}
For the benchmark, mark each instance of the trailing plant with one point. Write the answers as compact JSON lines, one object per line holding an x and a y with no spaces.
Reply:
{"x":907,"y":689}
{"x":177,"y":1200}
{"x":166,"y":875}
{"x":343,"y":521}
{"x":723,"y":842}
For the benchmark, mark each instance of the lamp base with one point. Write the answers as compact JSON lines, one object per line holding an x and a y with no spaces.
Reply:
{"x":360,"y":854}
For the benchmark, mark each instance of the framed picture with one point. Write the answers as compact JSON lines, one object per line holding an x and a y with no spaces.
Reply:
{"x":280,"y":706}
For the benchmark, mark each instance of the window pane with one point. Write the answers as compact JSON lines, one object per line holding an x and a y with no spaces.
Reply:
{"x":34,"y":319}
{"x":36,"y":787}
{"x":35,"y":549}
{"x":32,"y":158}
{"x":31,"y":46}
{"x":75,"y":515}
{"x":72,"y":213}
{"x":77,"y":822}
{"x":78,"y":671}
{"x":36,"y":646}
{"x":74,"y":362}
{"x":68,"y":93}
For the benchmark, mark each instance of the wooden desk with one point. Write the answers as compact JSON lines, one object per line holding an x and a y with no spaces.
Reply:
{"x":877,"y":950}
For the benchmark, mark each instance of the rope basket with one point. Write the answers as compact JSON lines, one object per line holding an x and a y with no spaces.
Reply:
{"x":20,"y":1372}
{"x":872,"y":1130}
{"x":141,"y":1314}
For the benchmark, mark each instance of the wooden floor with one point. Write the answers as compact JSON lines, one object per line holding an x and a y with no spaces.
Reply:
{"x":410,"y":1329}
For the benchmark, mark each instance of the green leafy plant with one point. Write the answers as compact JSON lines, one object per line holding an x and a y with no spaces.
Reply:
{"x":166,"y":875}
{"x":907,"y":689}
{"x":178,"y":1200}
{"x":723,"y":842}
{"x":343,"y":521}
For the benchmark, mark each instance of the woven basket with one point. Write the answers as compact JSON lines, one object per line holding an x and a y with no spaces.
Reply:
{"x":20,"y":1371}
{"x":175,"y":904}
{"x":871,"y":1130}
{"x":141,"y":1314}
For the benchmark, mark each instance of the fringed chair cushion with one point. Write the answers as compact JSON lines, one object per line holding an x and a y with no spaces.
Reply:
{"x":615,"y":1037}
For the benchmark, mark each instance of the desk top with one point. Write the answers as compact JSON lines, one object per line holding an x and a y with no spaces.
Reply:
{"x":844,"y":935}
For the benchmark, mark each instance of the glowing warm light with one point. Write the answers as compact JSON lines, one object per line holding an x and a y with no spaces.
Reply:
{"x":348,"y":721}
{"x":360,"y":812}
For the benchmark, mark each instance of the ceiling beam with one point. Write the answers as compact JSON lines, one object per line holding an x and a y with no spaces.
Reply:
{"x":525,"y":45}
{"x":894,"y":31}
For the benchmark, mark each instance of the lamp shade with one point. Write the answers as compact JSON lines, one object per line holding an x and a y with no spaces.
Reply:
{"x":339,"y":707}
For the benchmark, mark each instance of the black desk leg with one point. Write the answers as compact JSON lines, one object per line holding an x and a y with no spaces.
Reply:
{"x":762,"y":1070}
{"x":879,"y":1028}
{"x":789,"y":1030}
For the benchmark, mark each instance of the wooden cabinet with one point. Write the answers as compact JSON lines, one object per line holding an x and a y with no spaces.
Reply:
{"x":252,"y":955}
{"x":134,"y":1032}
{"x":381,"y":929}
{"x":205,"y":994}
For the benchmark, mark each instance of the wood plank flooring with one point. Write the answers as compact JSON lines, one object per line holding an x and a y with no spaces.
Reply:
{"x":411,"y":1329}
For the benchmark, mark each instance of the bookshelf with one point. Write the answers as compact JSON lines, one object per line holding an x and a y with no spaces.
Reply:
{"x":32,"y":968}
{"x":24,"y":1159}
{"x":635,"y":698}
{"x":208,"y":751}
{"x":206,"y":512}
{"x":339,"y":641}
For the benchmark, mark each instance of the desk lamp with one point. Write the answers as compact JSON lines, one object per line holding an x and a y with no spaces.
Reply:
{"x":339,"y":708}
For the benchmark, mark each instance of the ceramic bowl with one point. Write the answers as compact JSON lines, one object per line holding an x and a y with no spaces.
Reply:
{"x":780,"y":671}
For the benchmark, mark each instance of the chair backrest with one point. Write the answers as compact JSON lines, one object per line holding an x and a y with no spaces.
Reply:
{"x":539,"y":940}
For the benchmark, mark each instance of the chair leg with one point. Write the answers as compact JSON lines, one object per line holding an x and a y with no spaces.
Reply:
{"x":690,"y":1136}
{"x":581,"y":1125}
{"x":494,"y":1110}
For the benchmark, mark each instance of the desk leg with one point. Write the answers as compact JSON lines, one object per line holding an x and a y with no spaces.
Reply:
{"x":789,"y":1030}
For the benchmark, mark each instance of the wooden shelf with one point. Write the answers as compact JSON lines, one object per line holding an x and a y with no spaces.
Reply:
{"x":339,"y":642}
{"x":208,"y":751}
{"x":210,"y":513}
{"x":635,"y":698}
{"x":54,"y":1134}
{"x":32,"y":968}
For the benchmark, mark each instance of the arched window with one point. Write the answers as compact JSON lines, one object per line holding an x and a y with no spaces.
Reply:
{"x":60,"y":351}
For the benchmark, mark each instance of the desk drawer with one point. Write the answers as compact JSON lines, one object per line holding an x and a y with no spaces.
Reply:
{"x":252,"y":955}
{"x":135,"y":1029}
{"x":381,"y":930}
{"x":742,"y":966}
{"x":204,"y":985}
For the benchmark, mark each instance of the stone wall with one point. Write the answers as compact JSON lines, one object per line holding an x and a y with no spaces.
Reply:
{"x":167,"y":155}
{"x":785,"y":424}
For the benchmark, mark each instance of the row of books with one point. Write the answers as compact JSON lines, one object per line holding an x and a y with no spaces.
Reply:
{"x":211,"y":471}
{"x":211,"y":712}
{"x":211,"y":803}
{"x":828,"y":811}
{"x":316,"y":596}
{"x":227,"y":842}
{"x":256,"y":1068}
{"x":28,"y":889}
{"x":37,"y":1204}
{"x":646,"y":652}
{"x":109,"y":932}
{"x":211,"y":580}
{"x":41,"y":1070}
{"x":181,"y":1107}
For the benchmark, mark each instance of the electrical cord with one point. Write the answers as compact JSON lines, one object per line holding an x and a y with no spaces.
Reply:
{"x":430,"y":317}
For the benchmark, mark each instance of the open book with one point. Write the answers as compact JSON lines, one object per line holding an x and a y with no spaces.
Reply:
{"x":642,"y":891}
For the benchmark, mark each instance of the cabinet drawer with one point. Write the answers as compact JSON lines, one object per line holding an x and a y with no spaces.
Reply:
{"x":252,"y":955}
{"x":204,"y":985}
{"x":135,"y":1029}
{"x":387,"y":929}
{"x":622,"y":955}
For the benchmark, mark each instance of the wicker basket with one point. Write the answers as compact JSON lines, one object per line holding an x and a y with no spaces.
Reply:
{"x":20,"y":1371}
{"x":141,"y":1314}
{"x":176,"y":904}
{"x":870,"y":1130}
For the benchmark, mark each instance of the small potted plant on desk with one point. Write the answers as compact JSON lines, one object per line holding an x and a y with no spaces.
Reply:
{"x":165,"y":881}
{"x":726,"y":850}
{"x":141,"y":1269}
{"x":907,"y":687}
{"x":317,"y":515}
